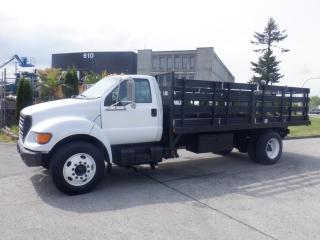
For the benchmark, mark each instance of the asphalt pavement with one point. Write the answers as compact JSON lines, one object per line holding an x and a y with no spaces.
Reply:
{"x":194,"y":197}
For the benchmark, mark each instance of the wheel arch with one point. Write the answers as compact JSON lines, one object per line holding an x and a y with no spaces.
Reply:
{"x":80,"y":137}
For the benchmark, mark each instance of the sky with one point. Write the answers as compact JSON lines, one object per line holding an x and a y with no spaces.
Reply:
{"x":37,"y":29}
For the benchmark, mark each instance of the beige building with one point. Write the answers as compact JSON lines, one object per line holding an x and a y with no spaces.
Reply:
{"x":199,"y":64}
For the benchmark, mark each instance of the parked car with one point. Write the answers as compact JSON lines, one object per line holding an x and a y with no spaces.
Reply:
{"x":315,"y":111}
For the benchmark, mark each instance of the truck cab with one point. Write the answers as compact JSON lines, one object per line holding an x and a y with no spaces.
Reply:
{"x":118,"y":110}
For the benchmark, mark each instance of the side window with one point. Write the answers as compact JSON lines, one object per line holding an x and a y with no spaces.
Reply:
{"x":142,"y":91}
{"x":117,"y":95}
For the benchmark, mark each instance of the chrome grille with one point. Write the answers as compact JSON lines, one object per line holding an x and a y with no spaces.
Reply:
{"x":21,"y":120}
{"x":25,"y":123}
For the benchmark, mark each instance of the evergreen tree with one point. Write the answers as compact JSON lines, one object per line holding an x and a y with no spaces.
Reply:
{"x":24,"y":96}
{"x":267,"y":66}
{"x":71,"y":83}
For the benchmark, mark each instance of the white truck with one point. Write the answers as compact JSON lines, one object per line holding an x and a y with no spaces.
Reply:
{"x":127,"y":120}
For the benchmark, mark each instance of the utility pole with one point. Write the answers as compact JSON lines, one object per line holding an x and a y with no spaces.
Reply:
{"x":1,"y":101}
{"x":4,"y":96}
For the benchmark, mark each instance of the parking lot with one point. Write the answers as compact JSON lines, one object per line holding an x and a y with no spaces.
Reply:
{"x":195,"y":197}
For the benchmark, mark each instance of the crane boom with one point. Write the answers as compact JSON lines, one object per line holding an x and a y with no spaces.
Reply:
{"x":16,"y":57}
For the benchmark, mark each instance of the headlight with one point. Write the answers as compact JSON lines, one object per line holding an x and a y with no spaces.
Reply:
{"x":43,"y":138}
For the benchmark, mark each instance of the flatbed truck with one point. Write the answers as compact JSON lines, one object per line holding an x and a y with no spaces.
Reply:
{"x":128,"y":120}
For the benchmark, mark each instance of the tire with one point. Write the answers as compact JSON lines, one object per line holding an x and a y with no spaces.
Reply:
{"x":45,"y":162}
{"x":269,"y":148}
{"x":77,"y":168}
{"x":224,"y":153}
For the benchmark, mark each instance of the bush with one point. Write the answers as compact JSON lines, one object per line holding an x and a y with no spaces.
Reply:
{"x":24,"y":96}
{"x":71,"y":83}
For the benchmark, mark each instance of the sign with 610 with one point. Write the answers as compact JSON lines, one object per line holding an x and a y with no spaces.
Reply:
{"x":88,"y":55}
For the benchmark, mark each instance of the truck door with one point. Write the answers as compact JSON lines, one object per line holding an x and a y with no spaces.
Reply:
{"x":126,"y":122}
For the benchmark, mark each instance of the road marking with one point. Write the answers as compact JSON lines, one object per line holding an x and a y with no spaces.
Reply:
{"x":209,"y":207}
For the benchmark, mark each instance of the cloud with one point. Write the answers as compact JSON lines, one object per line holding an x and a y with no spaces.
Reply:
{"x":41,"y":41}
{"x":39,"y":28}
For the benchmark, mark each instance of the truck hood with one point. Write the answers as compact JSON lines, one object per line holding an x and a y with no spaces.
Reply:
{"x":86,"y":108}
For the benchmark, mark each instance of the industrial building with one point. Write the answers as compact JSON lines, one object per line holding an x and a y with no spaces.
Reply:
{"x":199,"y":64}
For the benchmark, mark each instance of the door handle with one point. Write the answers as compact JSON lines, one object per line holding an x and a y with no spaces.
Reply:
{"x":153,"y":112}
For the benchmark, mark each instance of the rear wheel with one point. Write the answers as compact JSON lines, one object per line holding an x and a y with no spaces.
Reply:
{"x":77,"y":168}
{"x":268,"y":148}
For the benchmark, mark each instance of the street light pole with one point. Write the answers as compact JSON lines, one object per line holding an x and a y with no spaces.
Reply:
{"x":308,"y":79}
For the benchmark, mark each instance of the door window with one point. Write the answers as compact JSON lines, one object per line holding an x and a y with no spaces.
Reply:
{"x":120,"y":93}
{"x":142,"y":91}
{"x":117,"y":95}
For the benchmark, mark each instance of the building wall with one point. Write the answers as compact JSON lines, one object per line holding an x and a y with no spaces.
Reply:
{"x":145,"y":65}
{"x":204,"y":69}
{"x":97,"y":62}
{"x":202,"y":64}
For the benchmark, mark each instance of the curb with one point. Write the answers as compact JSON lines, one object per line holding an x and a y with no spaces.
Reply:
{"x":306,"y":137}
{"x":7,"y":131}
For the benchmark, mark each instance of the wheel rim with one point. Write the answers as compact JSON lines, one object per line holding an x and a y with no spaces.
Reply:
{"x":79,"y":169}
{"x":273,"y":148}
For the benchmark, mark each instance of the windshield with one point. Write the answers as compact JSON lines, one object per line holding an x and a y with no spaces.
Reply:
{"x":99,"y":88}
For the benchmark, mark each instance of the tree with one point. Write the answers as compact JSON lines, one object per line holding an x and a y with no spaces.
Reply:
{"x":267,"y":66}
{"x":314,"y":102}
{"x":48,"y":83}
{"x":24,"y":95}
{"x":91,"y":78}
{"x":71,"y":83}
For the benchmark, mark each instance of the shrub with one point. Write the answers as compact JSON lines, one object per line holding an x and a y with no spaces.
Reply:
{"x":24,"y":96}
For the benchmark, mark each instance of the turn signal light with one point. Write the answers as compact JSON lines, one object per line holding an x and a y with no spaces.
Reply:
{"x":43,"y":138}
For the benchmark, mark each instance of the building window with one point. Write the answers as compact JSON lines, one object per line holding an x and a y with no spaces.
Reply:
{"x":184,"y":62}
{"x":162,"y":63}
{"x":192,"y":62}
{"x":155,"y":63}
{"x":170,"y":63}
{"x":177,"y":63}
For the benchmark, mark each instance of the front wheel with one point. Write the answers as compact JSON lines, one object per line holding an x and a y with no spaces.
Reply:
{"x":77,"y":168}
{"x":268,"y":148}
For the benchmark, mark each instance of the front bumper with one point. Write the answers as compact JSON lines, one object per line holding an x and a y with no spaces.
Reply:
{"x":30,"y":158}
